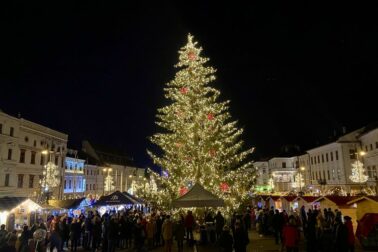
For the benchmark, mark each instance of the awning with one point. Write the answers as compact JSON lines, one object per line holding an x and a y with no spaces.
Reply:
{"x":116,"y":198}
{"x":198,"y":196}
{"x":69,"y":203}
{"x":133,"y":198}
{"x":8,"y":203}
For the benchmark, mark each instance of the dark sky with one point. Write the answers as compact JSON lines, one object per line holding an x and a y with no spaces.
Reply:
{"x":293,"y":73}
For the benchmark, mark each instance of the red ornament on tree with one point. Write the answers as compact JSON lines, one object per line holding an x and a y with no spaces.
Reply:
{"x":210,"y":116}
{"x":224,"y":187}
{"x":192,"y":56}
{"x":178,"y":145}
{"x":183,"y":190}
{"x":212,"y":152}
{"x":184,"y":90}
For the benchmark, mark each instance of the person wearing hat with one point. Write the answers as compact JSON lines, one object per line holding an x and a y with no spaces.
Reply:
{"x":351,"y":239}
{"x":225,"y":240}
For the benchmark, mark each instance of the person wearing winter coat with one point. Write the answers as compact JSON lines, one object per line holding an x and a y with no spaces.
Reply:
{"x":351,"y":238}
{"x":291,"y":235}
{"x":180,"y":233}
{"x":75,"y":229}
{"x":225,"y":240}
{"x":241,"y":239}
{"x":167,"y":232}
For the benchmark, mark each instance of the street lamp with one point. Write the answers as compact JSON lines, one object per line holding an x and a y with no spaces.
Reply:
{"x":301,"y":169}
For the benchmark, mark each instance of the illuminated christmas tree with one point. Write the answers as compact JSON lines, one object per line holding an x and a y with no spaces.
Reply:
{"x":299,"y":181}
{"x":50,"y":176}
{"x":199,"y":141}
{"x":358,"y":173}
{"x":108,"y":184}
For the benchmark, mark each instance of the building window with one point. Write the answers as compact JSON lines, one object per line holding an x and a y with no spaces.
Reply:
{"x":371,"y":146}
{"x":366,"y":148}
{"x":10,"y":154}
{"x":283,"y":164}
{"x":94,"y":186}
{"x":352,"y":154}
{"x":65,"y":184}
{"x":26,"y":139}
{"x":318,"y":159}
{"x":369,"y":171}
{"x":326,"y":157}
{"x":42,"y":160}
{"x":86,"y":187}
{"x":56,"y":160}
{"x":6,"y":182}
{"x":32,"y":159}
{"x":322,"y":158}
{"x":1,"y":128}
{"x":20,"y":180}
{"x":337,"y":155}
{"x":329,"y":175}
{"x":11,"y":131}
{"x":90,"y":186}
{"x":69,"y":184}
{"x":35,"y":143}
{"x":376,"y":145}
{"x":331,"y":156}
{"x":311,"y":161}
{"x":31,"y":181}
{"x":22,"y":156}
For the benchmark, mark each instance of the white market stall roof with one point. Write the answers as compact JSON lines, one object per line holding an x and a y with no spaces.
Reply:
{"x":198,"y":196}
{"x":10,"y":203}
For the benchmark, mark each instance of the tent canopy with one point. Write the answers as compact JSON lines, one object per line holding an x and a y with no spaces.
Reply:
{"x":8,"y":203}
{"x":198,"y":196}
{"x":116,"y":198}
{"x":133,"y":198}
{"x":68,"y":203}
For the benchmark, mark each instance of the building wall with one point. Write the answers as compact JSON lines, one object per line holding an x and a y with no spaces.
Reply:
{"x":21,"y":159}
{"x":74,"y":179}
{"x":369,"y":143}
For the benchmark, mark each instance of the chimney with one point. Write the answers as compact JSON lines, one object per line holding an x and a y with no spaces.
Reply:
{"x":344,"y":130}
{"x":19,"y":115}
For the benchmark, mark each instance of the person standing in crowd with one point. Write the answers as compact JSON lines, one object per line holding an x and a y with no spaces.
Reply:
{"x":341,"y":236}
{"x":241,"y":239}
{"x":167,"y":231}
{"x":225,"y":240}
{"x":10,"y":245}
{"x":139,"y":235}
{"x":189,"y":224}
{"x":24,"y":239}
{"x":291,"y":235}
{"x":74,"y":234}
{"x":219,"y":224}
{"x":278,"y":223}
{"x":351,"y":239}
{"x":180,"y":233}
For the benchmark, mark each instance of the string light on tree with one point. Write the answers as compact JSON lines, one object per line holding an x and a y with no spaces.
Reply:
{"x":50,"y":176}
{"x":210,"y":147}
{"x":358,"y":172}
{"x":299,"y":181}
{"x":109,"y":183}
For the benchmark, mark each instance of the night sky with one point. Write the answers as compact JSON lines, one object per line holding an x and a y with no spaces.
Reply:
{"x":294,"y":73}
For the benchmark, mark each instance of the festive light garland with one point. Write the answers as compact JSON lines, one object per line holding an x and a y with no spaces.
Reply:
{"x":358,"y":171}
{"x":199,"y":142}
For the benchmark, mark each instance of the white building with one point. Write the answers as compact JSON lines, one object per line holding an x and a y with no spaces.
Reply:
{"x":369,"y":143}
{"x":74,"y":179}
{"x":25,"y":148}
{"x":283,"y":170}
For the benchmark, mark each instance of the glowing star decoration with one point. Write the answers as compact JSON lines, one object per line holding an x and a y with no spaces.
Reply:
{"x":50,"y":176}
{"x":108,"y":184}
{"x":358,"y":171}
{"x":210,"y":116}
{"x":224,"y":187}
{"x":183,"y":190}
{"x":192,"y":56}
{"x":184,"y":90}
{"x":194,"y":161}
{"x":212,"y":152}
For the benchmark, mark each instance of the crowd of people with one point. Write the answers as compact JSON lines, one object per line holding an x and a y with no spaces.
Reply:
{"x":125,"y":230}
{"x":324,"y":231}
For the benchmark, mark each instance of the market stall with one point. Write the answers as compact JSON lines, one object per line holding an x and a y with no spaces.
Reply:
{"x":15,"y":212}
{"x":198,"y":196}
{"x":73,"y":207}
{"x":114,"y":202}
